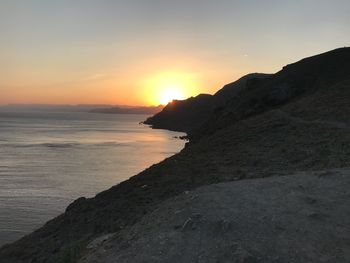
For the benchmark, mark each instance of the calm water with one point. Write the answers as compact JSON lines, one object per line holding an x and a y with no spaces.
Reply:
{"x":49,"y":159}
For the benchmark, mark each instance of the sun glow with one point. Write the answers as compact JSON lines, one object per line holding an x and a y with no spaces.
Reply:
{"x":169,"y":94}
{"x":165,"y":87}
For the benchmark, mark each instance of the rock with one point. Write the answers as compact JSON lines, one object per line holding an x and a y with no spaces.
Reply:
{"x":99,"y":241}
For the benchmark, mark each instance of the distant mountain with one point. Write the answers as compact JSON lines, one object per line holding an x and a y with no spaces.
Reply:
{"x":51,"y":107}
{"x":128,"y":110}
{"x":93,"y":108}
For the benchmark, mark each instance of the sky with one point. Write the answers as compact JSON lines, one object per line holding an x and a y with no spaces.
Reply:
{"x":146,"y":52}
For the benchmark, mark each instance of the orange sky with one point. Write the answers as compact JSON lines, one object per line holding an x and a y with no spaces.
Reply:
{"x":139,"y":83}
{"x":146,"y":52}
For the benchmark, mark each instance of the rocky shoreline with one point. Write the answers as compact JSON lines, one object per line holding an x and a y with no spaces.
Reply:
{"x":295,"y":122}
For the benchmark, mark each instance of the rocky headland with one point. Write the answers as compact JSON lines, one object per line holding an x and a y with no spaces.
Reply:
{"x":264,"y":178}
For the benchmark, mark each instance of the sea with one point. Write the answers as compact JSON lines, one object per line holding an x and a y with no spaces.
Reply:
{"x":48,"y":159}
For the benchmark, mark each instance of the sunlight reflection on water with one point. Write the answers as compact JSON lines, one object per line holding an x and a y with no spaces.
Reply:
{"x":49,"y":159}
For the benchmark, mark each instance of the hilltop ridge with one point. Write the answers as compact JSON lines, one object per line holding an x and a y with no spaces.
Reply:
{"x":256,"y":93}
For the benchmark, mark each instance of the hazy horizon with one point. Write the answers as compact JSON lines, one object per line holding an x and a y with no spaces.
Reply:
{"x":75,"y":104}
{"x":144,"y":53}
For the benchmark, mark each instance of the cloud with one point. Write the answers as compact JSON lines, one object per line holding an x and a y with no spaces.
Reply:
{"x":97,"y":76}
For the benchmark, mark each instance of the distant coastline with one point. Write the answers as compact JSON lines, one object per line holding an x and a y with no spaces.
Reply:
{"x":91,"y":108}
{"x":128,"y":110}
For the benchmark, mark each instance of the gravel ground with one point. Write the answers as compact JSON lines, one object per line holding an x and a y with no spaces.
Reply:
{"x":299,"y":218}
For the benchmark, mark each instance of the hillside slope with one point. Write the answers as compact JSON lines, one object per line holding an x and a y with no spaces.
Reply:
{"x":296,"y":218}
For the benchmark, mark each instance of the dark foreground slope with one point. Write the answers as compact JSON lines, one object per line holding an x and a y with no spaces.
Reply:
{"x":307,"y":133}
{"x":296,"y":218}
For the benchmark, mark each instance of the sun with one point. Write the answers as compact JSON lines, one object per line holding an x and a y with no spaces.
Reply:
{"x":168,"y":94}
{"x":164,"y":87}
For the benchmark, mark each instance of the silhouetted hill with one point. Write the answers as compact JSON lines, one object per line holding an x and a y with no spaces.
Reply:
{"x":183,"y":115}
{"x":293,"y":122}
{"x":188,"y":115}
{"x":233,"y":89}
{"x":256,"y":93}
{"x":294,"y":81}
